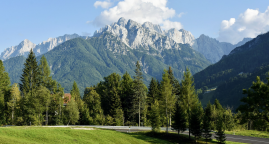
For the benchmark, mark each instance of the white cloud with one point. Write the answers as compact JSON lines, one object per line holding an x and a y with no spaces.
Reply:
{"x":249,"y":24}
{"x":103,"y":4}
{"x":168,"y":25}
{"x":141,"y":11}
{"x":180,"y":14}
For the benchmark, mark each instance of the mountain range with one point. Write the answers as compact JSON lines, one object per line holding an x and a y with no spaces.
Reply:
{"x":87,"y":61}
{"x":117,"y":47}
{"x":136,"y":36}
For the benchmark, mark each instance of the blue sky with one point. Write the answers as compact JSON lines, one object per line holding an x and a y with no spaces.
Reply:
{"x":38,"y":20}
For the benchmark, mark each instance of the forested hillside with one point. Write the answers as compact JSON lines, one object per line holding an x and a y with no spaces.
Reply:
{"x":88,"y":61}
{"x":236,"y":71}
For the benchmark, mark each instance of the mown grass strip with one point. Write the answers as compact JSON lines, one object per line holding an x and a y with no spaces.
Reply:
{"x":251,"y":133}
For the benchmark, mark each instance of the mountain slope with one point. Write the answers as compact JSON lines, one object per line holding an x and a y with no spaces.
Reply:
{"x":244,"y":60}
{"x":14,"y":68}
{"x":213,"y":50}
{"x":230,"y":92}
{"x":88,"y":61}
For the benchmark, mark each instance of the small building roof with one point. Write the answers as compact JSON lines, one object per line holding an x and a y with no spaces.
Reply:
{"x":67,"y":98}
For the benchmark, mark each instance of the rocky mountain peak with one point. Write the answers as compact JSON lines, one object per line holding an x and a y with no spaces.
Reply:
{"x":152,"y":27}
{"x":122,"y":22}
{"x":131,"y":24}
{"x":26,"y":45}
{"x":146,"y":35}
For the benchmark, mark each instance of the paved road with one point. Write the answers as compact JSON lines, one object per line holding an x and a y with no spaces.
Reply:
{"x":234,"y":138}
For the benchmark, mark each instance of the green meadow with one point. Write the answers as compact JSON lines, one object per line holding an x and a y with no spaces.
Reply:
{"x":85,"y":135}
{"x":251,"y":133}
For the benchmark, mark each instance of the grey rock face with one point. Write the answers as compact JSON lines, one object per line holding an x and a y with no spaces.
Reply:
{"x":25,"y":46}
{"x":22,"y":49}
{"x":147,"y":35}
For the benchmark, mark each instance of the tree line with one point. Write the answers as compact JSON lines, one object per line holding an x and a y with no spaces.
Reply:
{"x":38,"y":100}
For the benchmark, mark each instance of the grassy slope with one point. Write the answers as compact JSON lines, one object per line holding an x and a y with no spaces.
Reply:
{"x":67,"y":135}
{"x":251,"y":133}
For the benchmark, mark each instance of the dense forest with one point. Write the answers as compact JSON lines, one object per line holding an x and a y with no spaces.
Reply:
{"x":126,"y":100}
{"x":235,"y":72}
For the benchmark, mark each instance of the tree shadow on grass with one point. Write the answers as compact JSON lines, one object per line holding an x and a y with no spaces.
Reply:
{"x":163,"y":137}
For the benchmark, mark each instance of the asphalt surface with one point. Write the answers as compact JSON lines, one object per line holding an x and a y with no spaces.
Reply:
{"x":233,"y":138}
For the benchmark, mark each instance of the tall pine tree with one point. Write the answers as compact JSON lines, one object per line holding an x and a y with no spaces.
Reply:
{"x":154,"y":117}
{"x":139,"y":97}
{"x":30,"y":81}
{"x":196,"y":121}
{"x":167,"y":98}
{"x":154,"y":92}
{"x":179,"y":118}
{"x":188,"y":95}
{"x":220,"y":135}
{"x":126,"y":85}
{"x":207,"y":122}
{"x":175,"y":89}
{"x":30,"y":78}
{"x":4,"y":92}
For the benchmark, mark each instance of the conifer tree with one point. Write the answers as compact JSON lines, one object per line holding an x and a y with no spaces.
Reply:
{"x":76,"y":95}
{"x":218,"y":105}
{"x":85,"y":118}
{"x":139,"y":97}
{"x":116,"y":109}
{"x":75,"y":92}
{"x":4,"y":78}
{"x":55,"y":90}
{"x":179,"y":118}
{"x":196,"y":121}
{"x":220,"y":135}
{"x":154,"y":92}
{"x":208,"y":111}
{"x":207,"y":122}
{"x":188,"y":95}
{"x":175,"y":88}
{"x":46,"y":79}
{"x":154,"y":117}
{"x":126,"y":86}
{"x":110,"y":90}
{"x":174,"y":82}
{"x":30,"y":78}
{"x":206,"y":129}
{"x":30,"y":81}
{"x":167,"y":98}
{"x":4,"y":93}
